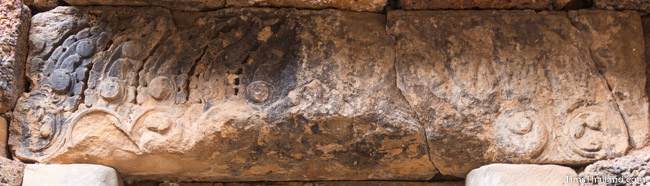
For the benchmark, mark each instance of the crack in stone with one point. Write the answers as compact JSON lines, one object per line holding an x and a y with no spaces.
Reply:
{"x":572,"y":16}
{"x":601,"y":74}
{"x":611,"y":90}
{"x":412,"y":108}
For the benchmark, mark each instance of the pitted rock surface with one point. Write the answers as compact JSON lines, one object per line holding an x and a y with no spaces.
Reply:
{"x":42,"y":5}
{"x":252,"y":94}
{"x":631,"y":169}
{"x":187,"y":5}
{"x":520,"y":86}
{"x":643,"y":5}
{"x":356,"y":5}
{"x":4,"y":134}
{"x":234,"y":94}
{"x":11,"y":172}
{"x":484,"y":4}
{"x":202,"y":5}
{"x":14,"y":28}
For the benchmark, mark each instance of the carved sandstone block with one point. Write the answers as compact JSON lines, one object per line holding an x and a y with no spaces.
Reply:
{"x":520,"y":86}
{"x":234,"y":94}
{"x":483,"y":4}
{"x":14,"y":25}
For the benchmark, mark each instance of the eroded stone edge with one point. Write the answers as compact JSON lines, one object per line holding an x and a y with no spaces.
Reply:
{"x":390,"y":34}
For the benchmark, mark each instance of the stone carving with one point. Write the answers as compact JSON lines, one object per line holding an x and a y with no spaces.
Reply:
{"x":627,"y":85}
{"x":65,"y":70}
{"x":258,"y":91}
{"x":583,"y":125}
{"x":234,"y":94}
{"x":520,"y":135}
{"x":160,"y":88}
{"x":156,"y":127}
{"x":590,"y":134}
{"x":110,"y":88}
{"x":492,"y":90}
{"x":286,"y":94}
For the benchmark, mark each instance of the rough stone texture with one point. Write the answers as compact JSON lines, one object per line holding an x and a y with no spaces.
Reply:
{"x":522,"y":174}
{"x":357,"y":5}
{"x":42,"y":5}
{"x":70,"y":175}
{"x":191,"y":5}
{"x":3,"y":136}
{"x":630,"y":169}
{"x":194,"y":5}
{"x":258,"y":94}
{"x":483,"y":4}
{"x":234,"y":94}
{"x":521,"y":86}
{"x":14,"y":25}
{"x":11,"y":172}
{"x":621,"y":63}
{"x":643,"y":5}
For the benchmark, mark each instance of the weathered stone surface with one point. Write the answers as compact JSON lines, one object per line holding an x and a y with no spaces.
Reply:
{"x":191,"y":5}
{"x":70,"y":175}
{"x":522,"y":174}
{"x":11,"y":172}
{"x":521,"y":86}
{"x":622,"y":64}
{"x":284,"y":94}
{"x":14,"y":25}
{"x":3,"y":136}
{"x":483,"y":4}
{"x":235,"y":94}
{"x":632,"y":169}
{"x":623,"y":4}
{"x":42,"y":5}
{"x":357,"y":5}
